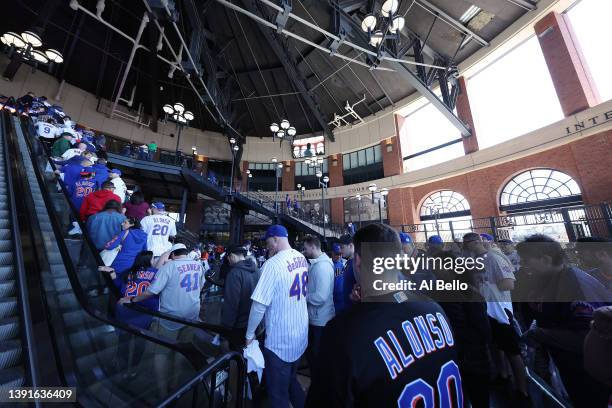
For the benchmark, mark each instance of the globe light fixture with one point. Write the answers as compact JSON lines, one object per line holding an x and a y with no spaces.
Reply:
{"x":280,"y":134}
{"x":236,"y":148}
{"x":54,"y":56}
{"x":285,"y":124}
{"x":177,"y":113}
{"x":232,"y":140}
{"x":397,"y":23}
{"x":319,"y":174}
{"x":179,"y":107}
{"x":372,"y":187}
{"x":376,"y":38}
{"x":369,"y":23}
{"x":24,"y":46}
{"x":40,"y":56}
{"x":291,"y":131}
{"x":274,"y":127}
{"x":31,"y":38}
{"x":384,"y":192}
{"x":13,"y":39}
{"x":326,"y":179}
{"x":188,"y":115}
{"x":389,"y":7}
{"x":274,"y":160}
{"x":167,"y":108}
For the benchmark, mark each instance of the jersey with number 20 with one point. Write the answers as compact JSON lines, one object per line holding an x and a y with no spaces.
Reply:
{"x":282,"y":288}
{"x":159,"y":227}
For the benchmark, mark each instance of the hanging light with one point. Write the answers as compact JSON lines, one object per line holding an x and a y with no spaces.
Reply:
{"x":14,"y":39}
{"x":54,"y":56}
{"x":167,"y":108}
{"x":179,"y":107}
{"x":291,"y":131}
{"x":274,"y":127}
{"x":40,"y":56}
{"x":284,"y":124}
{"x":280,"y":134}
{"x":31,"y":38}
{"x":376,"y":38}
{"x":188,"y":115}
{"x":369,"y":23}
{"x":389,"y":8}
{"x":397,"y":24}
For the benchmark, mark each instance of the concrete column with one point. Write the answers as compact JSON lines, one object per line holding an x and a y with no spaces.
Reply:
{"x":195,"y":213}
{"x":568,"y":68}
{"x":464,"y":112}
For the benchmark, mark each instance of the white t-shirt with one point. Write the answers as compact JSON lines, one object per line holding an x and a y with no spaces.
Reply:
{"x":178,"y":284}
{"x":282,"y":287}
{"x":159,"y":227}
{"x":46,"y":130}
{"x":70,"y":153}
{"x":497,"y":267}
{"x":120,"y":188}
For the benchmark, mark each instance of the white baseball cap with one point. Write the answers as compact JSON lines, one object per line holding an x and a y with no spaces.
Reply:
{"x":177,"y":246}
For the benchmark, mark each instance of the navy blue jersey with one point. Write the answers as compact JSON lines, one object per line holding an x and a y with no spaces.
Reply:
{"x":81,"y":189}
{"x":137,"y":286}
{"x":388,"y":354}
{"x":339,"y":285}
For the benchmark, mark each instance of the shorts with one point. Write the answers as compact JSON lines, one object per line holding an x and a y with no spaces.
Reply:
{"x":184,"y":334}
{"x":505,"y":337}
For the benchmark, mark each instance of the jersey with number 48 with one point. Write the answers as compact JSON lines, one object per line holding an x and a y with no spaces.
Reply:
{"x":159,"y":227}
{"x":282,"y":288}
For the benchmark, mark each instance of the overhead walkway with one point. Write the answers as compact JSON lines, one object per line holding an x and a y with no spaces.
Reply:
{"x":86,"y":347}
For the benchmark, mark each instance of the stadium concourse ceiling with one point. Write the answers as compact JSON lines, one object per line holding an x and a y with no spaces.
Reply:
{"x":314,"y":60}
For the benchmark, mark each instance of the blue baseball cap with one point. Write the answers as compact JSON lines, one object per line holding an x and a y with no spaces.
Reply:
{"x":158,"y":206}
{"x":435,"y":239}
{"x":486,"y":237}
{"x":276,"y":231}
{"x":405,"y":238}
{"x":336,"y":248}
{"x":116,"y":171}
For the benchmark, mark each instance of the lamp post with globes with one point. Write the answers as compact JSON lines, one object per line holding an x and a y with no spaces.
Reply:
{"x":283,"y":129}
{"x":249,"y":177}
{"x":358,"y":197}
{"x":235,"y":148}
{"x":182,"y":118}
{"x":382,"y":194}
{"x":390,"y":24}
{"x":27,"y":46}
{"x":323,"y":185}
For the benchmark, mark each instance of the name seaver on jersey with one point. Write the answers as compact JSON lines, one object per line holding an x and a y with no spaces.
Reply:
{"x":282,"y":288}
{"x":159,"y":228}
{"x":425,"y":335}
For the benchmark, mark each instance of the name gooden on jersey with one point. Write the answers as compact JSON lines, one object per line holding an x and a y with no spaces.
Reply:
{"x":426,"y":334}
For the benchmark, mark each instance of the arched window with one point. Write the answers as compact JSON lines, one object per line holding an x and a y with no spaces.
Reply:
{"x":444,"y":204}
{"x":539,"y":189}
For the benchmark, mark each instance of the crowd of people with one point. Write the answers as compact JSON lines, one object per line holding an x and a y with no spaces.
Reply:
{"x":528,"y":301}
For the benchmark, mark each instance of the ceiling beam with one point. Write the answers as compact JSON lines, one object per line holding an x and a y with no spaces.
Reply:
{"x":525,"y":4}
{"x":262,"y":68}
{"x":424,"y":90}
{"x":295,"y":76}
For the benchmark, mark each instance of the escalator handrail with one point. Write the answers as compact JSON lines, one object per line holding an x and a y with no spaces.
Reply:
{"x":185,"y":349}
{"x":109,"y":282}
{"x":18,"y":263}
{"x":211,"y":369}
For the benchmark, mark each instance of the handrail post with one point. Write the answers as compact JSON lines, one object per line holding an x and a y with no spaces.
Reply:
{"x":567,"y":223}
{"x":607,"y":214}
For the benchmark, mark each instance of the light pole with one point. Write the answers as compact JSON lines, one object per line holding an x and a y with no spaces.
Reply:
{"x":235,"y":149}
{"x":383,"y":196}
{"x":182,"y":118}
{"x":249,"y":177}
{"x":358,"y":196}
{"x":323,"y":186}
{"x":25,"y":46}
{"x":277,"y":167}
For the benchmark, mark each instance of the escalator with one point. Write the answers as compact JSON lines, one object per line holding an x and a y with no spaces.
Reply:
{"x":90,"y":347}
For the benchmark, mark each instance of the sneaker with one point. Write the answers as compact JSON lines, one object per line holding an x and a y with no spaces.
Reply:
{"x":76,"y":230}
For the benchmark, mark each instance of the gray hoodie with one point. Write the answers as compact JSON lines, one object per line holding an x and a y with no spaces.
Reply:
{"x":320,"y":297}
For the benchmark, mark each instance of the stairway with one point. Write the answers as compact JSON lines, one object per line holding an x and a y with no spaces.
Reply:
{"x":12,"y":372}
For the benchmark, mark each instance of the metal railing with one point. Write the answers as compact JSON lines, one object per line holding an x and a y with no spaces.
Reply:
{"x":566,"y":223}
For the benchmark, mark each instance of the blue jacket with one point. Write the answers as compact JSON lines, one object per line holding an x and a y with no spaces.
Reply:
{"x":101,"y":174}
{"x":134,"y":243}
{"x":81,"y":189}
{"x":72,"y":172}
{"x":103,"y":226}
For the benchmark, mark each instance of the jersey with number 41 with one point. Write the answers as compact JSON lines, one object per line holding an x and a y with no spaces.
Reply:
{"x":282,"y":288}
{"x":159,"y":227}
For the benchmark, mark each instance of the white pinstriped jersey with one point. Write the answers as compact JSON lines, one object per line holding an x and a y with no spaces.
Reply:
{"x":159,"y":227}
{"x":282,"y":288}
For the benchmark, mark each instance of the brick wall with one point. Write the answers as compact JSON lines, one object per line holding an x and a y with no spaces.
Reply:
{"x":288,"y":179}
{"x":587,"y":161}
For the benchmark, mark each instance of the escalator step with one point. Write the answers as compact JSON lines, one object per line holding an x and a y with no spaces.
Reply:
{"x":10,"y":353}
{"x":7,"y":289}
{"x":6,"y":245}
{"x":4,"y":223}
{"x":12,"y":377}
{"x":3,"y":205}
{"x":9,"y":328}
{"x":8,"y":307}
{"x":5,"y":233}
{"x":6,"y":258}
{"x":6,"y":273}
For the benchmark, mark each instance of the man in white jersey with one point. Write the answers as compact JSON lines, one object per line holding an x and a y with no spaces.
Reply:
{"x":159,"y":228}
{"x":120,"y":187}
{"x":177,"y":283}
{"x":280,"y":296}
{"x":46,"y":130}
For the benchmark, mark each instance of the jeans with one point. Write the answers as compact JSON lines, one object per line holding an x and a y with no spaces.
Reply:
{"x":281,"y":382}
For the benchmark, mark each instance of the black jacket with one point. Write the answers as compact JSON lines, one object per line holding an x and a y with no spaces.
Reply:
{"x":239,"y":286}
